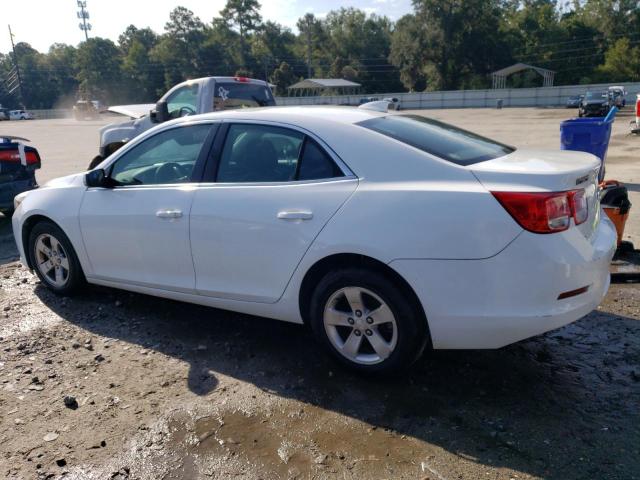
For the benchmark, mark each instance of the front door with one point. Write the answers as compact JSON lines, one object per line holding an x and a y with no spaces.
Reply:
{"x":274,"y":191}
{"x":138,"y":231}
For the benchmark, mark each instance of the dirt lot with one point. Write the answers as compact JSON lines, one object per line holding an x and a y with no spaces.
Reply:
{"x":167,"y":390}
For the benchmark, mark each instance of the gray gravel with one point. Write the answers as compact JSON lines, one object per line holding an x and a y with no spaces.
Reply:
{"x":169,"y":390}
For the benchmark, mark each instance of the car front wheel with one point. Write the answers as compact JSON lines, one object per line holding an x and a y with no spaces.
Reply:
{"x":54,"y":259}
{"x":367,"y":322}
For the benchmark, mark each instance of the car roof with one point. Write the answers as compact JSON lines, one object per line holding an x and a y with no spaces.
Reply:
{"x":304,"y":116}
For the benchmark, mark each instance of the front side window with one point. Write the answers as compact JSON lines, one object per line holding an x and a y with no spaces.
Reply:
{"x":184,"y":101}
{"x":437,"y":138}
{"x":262,"y":153}
{"x":166,"y":158}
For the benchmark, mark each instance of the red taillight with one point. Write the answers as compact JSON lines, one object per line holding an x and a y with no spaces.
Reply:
{"x":545,"y":212}
{"x":638,"y":108}
{"x":241,"y":79}
{"x":579,"y":207}
{"x":14,"y":156}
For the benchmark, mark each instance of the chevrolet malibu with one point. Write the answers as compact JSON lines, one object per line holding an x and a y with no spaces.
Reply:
{"x":385,"y":233}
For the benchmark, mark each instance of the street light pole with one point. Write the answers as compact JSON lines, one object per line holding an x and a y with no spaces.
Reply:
{"x":83,"y":15}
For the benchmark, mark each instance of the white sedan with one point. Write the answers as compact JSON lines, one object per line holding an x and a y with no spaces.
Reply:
{"x":387,"y":233}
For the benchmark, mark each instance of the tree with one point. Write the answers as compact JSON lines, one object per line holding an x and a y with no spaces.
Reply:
{"x":312,"y":45}
{"x":245,"y":16}
{"x":406,"y":52}
{"x":98,"y":61}
{"x":622,"y":62}
{"x":283,"y":77}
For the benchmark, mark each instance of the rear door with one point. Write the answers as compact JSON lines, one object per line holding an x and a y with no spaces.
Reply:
{"x":271,"y":190}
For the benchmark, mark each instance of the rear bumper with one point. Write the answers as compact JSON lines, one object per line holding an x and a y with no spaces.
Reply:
{"x":10,"y":189}
{"x":514,"y":295}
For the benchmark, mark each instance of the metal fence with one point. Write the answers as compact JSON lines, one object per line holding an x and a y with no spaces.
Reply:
{"x":54,"y":113}
{"x":511,"y":97}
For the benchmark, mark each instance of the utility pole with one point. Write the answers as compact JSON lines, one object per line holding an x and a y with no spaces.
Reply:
{"x":17,"y":71}
{"x":83,"y":14}
{"x":308,"y":18}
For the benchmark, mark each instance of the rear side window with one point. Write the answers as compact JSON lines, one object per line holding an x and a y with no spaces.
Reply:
{"x":316,"y":164}
{"x":437,"y":138}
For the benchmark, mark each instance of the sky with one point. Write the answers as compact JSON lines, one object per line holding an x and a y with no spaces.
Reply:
{"x":43,"y":22}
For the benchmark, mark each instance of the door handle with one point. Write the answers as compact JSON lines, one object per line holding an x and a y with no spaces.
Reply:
{"x":169,"y":213}
{"x":295,"y":215}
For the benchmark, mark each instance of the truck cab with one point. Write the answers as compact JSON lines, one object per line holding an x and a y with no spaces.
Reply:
{"x":192,"y":97}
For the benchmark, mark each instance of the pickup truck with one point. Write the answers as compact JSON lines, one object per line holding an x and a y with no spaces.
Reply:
{"x":192,"y":97}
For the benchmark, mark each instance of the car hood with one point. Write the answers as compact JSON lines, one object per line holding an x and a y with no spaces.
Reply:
{"x":70,"y":180}
{"x":133,"y":111}
{"x":595,"y":102}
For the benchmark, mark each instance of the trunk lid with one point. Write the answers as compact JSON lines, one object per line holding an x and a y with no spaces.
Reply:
{"x":545,"y":171}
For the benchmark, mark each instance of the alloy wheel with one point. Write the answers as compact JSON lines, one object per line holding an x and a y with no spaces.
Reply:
{"x":360,"y":325}
{"x":52,"y":260}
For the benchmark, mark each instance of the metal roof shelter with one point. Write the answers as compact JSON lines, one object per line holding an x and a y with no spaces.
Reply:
{"x":500,"y":76}
{"x":323,"y":86}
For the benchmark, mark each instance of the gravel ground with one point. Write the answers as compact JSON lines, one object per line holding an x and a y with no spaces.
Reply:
{"x":113,"y":385}
{"x":117,"y":385}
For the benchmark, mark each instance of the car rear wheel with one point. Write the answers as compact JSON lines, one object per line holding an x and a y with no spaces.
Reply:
{"x":367,"y":322}
{"x":54,"y":259}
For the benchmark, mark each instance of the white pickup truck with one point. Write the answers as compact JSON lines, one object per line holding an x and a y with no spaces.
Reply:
{"x":192,"y":97}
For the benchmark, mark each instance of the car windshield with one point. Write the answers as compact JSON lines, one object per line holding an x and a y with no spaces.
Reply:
{"x":230,"y":95}
{"x":437,"y":138}
{"x":596,"y":95}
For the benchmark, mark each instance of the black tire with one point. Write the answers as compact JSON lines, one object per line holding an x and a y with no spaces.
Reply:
{"x":75,"y":279}
{"x":412,"y":329}
{"x":95,"y":162}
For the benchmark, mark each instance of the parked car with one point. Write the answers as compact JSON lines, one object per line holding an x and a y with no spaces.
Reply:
{"x":574,"y":101}
{"x":188,"y":98}
{"x":394,"y":103}
{"x":20,"y":115}
{"x":618,"y":94}
{"x":595,"y":104}
{"x":18,"y":164}
{"x":386,"y":233}
{"x":4,"y":114}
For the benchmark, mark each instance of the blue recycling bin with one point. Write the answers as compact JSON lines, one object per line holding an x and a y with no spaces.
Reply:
{"x":588,"y":135}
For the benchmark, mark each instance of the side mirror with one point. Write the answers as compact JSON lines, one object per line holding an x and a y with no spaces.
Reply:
{"x":97,"y":178}
{"x":161,"y":113}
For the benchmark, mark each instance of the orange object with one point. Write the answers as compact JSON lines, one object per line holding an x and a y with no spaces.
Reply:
{"x":618,"y":214}
{"x":618,"y":219}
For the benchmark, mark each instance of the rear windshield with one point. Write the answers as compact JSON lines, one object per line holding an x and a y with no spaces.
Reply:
{"x":230,"y":95}
{"x":440,"y":139}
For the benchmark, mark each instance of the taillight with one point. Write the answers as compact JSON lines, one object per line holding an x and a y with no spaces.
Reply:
{"x":241,"y":79}
{"x":545,"y":212}
{"x":14,"y":156}
{"x":579,"y":207}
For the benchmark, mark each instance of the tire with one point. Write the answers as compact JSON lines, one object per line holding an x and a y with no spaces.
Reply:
{"x":62,"y":258}
{"x":95,"y":161}
{"x":329,"y":304}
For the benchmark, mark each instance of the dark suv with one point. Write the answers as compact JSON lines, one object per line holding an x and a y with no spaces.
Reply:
{"x":595,"y":104}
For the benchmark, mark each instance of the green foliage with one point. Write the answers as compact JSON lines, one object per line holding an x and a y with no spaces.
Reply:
{"x":442,"y":44}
